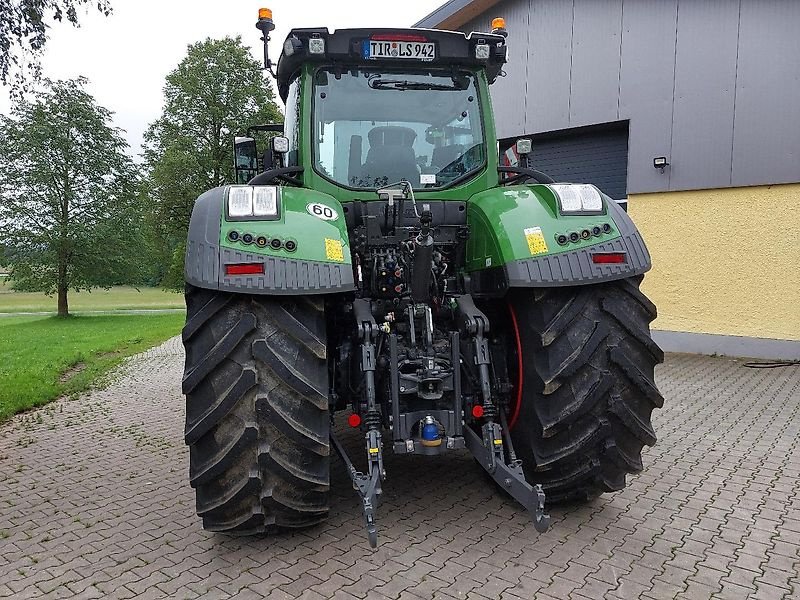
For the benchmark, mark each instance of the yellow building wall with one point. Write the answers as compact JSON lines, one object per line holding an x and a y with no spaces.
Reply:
{"x":725,"y":261}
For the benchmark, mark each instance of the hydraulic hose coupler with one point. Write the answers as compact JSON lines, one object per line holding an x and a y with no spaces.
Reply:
{"x":421,"y":269}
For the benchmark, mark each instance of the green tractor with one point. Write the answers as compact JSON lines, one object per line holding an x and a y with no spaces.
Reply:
{"x":380,"y":261}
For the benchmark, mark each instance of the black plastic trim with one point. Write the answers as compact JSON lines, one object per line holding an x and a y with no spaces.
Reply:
{"x":284,"y":275}
{"x":453,"y":48}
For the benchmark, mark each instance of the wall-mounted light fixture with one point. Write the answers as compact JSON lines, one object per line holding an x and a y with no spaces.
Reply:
{"x":660,"y":163}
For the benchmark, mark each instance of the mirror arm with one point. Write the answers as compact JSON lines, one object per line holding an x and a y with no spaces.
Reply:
{"x":265,"y":25}
{"x":522,"y":172}
{"x":283,"y":173}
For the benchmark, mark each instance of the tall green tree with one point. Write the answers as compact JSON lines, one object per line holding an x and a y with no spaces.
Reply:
{"x":23,"y":33}
{"x":69,"y":212}
{"x":214,"y":94}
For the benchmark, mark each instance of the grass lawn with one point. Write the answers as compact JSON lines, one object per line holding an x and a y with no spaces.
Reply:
{"x":43,"y":358}
{"x":116,"y":298}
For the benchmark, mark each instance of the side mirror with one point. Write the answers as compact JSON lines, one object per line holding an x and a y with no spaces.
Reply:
{"x":245,"y":156}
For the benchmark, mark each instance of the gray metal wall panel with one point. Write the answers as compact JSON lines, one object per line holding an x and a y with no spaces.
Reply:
{"x":647,"y":75}
{"x":766,"y":129}
{"x":594,"y":79}
{"x":549,"y":63}
{"x":705,"y":80}
{"x":595,"y":156}
{"x":509,"y":93}
{"x":677,"y":83}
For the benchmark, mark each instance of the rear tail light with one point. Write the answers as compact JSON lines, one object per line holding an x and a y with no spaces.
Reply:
{"x":245,"y":269}
{"x":609,"y":258}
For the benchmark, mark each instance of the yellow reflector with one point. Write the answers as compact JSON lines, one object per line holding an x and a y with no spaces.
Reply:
{"x":499,"y":23}
{"x":264,"y":13}
{"x":373,"y":450}
{"x":498,"y":442}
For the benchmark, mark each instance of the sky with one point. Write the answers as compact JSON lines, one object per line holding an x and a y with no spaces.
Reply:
{"x":127,"y":56}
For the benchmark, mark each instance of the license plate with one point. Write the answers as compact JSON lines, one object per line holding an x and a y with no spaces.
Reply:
{"x":399,"y":49}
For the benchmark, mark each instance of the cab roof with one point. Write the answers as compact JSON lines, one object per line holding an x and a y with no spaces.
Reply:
{"x":347,"y":47}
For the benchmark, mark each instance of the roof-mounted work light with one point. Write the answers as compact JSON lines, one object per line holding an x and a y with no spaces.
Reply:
{"x":316,"y":45}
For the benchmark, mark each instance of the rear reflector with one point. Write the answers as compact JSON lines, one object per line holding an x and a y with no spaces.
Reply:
{"x":609,"y":258}
{"x":245,"y":269}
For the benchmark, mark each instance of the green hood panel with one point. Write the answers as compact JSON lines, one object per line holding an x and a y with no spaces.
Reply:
{"x":313,"y":220}
{"x":523,"y":221}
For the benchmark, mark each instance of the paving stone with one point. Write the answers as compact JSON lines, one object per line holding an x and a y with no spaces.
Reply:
{"x":716,"y":512}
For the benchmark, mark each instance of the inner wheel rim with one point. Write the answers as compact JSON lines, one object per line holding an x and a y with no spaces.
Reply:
{"x":517,"y":402}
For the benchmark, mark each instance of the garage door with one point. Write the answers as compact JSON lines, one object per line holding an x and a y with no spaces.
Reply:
{"x":597,"y":155}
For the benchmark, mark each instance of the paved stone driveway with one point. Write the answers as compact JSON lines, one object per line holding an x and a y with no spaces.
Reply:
{"x":94,"y":503}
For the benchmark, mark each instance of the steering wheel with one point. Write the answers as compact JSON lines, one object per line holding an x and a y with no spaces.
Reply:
{"x":283,"y":174}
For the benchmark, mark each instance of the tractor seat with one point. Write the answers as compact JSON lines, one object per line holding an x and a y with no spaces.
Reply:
{"x":390,"y":156}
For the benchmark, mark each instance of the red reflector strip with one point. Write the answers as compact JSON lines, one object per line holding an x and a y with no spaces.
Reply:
{"x":609,"y":258}
{"x":245,"y":269}
{"x":398,"y":37}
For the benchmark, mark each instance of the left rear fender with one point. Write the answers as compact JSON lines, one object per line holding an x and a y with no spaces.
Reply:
{"x":316,"y":262}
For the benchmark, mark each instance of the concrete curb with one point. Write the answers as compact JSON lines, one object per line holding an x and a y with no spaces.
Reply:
{"x":727,"y":345}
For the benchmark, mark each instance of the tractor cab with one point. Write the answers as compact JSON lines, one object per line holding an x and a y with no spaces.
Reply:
{"x":368,"y":108}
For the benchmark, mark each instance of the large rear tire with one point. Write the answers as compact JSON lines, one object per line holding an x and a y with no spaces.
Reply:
{"x":588,"y":386}
{"x":257,"y":419}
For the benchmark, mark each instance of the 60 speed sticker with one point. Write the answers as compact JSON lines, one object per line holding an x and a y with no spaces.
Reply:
{"x":322,"y":211}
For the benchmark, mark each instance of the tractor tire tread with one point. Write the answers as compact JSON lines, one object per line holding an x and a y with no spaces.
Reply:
{"x":257,"y":418}
{"x":589,"y":389}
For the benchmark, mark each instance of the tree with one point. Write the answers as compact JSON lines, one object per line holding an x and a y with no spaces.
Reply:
{"x":69,"y":215}
{"x":23,"y":33}
{"x":214,"y":94}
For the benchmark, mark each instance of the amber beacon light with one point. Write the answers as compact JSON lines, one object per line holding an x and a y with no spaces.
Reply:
{"x":499,"y":26}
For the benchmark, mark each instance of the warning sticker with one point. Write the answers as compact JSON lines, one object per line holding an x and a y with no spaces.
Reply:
{"x":535,"y":239}
{"x":333,"y":250}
